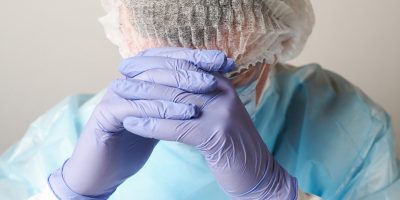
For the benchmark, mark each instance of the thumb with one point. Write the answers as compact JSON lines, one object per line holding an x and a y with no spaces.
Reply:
{"x":207,"y":60}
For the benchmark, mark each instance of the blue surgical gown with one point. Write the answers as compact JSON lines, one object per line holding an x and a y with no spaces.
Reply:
{"x":322,"y":130}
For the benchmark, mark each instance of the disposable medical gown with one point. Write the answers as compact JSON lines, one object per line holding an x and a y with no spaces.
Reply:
{"x":323,"y":130}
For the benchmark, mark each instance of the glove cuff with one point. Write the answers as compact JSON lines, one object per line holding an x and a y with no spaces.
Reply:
{"x":61,"y":190}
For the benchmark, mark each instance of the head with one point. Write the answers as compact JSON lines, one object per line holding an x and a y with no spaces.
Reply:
{"x":249,"y":31}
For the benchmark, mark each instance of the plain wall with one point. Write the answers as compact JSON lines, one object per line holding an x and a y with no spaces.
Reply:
{"x":52,"y":49}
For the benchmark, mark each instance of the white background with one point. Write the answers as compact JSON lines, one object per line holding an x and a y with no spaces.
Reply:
{"x":51,"y":49}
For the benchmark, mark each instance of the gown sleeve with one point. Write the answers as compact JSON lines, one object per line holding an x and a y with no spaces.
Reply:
{"x":378,"y":176}
{"x":48,"y":141}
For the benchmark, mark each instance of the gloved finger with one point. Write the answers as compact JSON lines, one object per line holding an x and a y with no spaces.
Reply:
{"x":134,"y":66}
{"x":133,"y":89}
{"x":162,"y":110}
{"x":207,"y":60}
{"x":190,"y":81}
{"x":160,"y":129}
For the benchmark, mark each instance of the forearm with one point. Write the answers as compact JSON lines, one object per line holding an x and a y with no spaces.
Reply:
{"x":248,"y":170}
{"x":100,"y":164}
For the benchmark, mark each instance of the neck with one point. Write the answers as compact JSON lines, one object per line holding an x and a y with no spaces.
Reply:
{"x":262,"y":80}
{"x":258,"y":73}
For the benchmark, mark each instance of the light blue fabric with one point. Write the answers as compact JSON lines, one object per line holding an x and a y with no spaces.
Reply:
{"x":323,"y":130}
{"x":247,"y":95}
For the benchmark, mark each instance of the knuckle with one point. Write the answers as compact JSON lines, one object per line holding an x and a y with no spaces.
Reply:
{"x":106,"y":120}
{"x":183,"y":77}
{"x":175,"y":95}
{"x":138,"y":85}
{"x":149,"y":75}
{"x":134,"y":104}
{"x":180,"y":64}
{"x":139,"y":108}
{"x":102,"y":107}
{"x":162,"y":110}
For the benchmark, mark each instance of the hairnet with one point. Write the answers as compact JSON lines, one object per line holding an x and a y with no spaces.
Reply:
{"x":248,"y":31}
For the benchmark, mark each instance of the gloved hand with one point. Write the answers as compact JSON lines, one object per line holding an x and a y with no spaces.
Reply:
{"x":106,"y":153}
{"x":224,"y":133}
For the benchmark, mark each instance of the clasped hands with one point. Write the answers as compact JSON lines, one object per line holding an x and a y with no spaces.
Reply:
{"x":173,"y":94}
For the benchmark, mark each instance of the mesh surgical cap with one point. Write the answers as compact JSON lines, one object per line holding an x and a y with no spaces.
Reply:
{"x":249,"y":31}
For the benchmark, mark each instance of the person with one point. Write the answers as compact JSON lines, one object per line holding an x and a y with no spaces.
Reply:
{"x":219,"y":117}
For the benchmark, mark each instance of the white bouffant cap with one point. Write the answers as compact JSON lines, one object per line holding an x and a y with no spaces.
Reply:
{"x":249,"y":31}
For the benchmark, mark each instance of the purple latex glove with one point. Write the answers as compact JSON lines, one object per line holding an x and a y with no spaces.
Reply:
{"x":224,"y":133}
{"x":106,"y":153}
